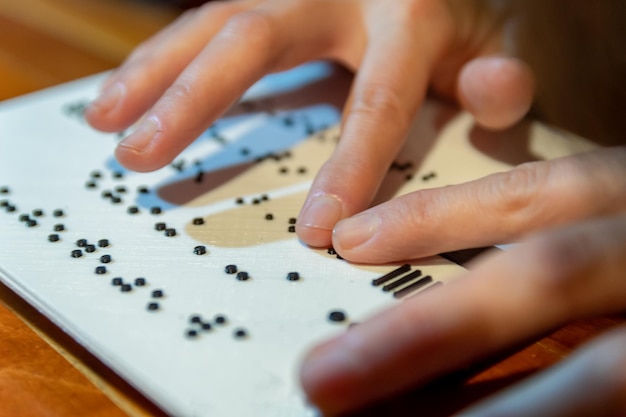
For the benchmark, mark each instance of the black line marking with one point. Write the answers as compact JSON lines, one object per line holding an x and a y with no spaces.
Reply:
{"x":402,"y":281}
{"x":414,"y":286}
{"x":391,"y":275}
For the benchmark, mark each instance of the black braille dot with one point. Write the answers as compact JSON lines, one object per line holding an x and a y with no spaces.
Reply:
{"x":106,"y":194}
{"x":140,"y":282}
{"x":157,"y":294}
{"x":143,"y":189}
{"x":199,"y":176}
{"x":53,"y":237}
{"x":265,"y":197}
{"x":153,"y":306}
{"x":133,"y":210}
{"x":24,"y":217}
{"x":160,"y":226}
{"x":195,"y":319}
{"x":105,"y":259}
{"x":230,"y":269}
{"x":59,"y":227}
{"x":120,"y":189}
{"x":58,"y":213}
{"x":245,"y":151}
{"x":90,"y":248}
{"x":293,"y":276}
{"x":81,"y":243}
{"x":10,"y":208}
{"x":4,"y":190}
{"x":4,"y":203}
{"x":292,"y":229}
{"x":239,"y":200}
{"x":302,"y":170}
{"x":91,"y":184}
{"x":198,"y":221}
{"x":170,"y":232}
{"x":409,"y":177}
{"x":206,"y":326}
{"x":103,"y":243}
{"x":242,"y":276}
{"x":38,"y":212}
{"x":283,"y":170}
{"x":292,"y":220}
{"x":156,"y":210}
{"x":256,"y":201}
{"x":337,"y":316}
{"x":96,"y":174}
{"x":31,"y":223}
{"x":126,"y":288}
{"x":77,"y":253}
{"x":269,"y":216}
{"x":240,"y":334}
{"x":220,"y":319}
{"x":116,"y":200}
{"x":192,"y":333}
{"x":199,"y":250}
{"x":100,"y":270}
{"x":117,"y":281}
{"x":118,"y":175}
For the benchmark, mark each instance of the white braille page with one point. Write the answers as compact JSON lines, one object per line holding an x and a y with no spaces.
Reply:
{"x":234,"y":192}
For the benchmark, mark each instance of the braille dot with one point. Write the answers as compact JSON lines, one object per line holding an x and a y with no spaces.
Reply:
{"x":230,"y":269}
{"x":239,"y":200}
{"x":106,"y":194}
{"x":293,"y":276}
{"x":143,"y":189}
{"x":409,"y":177}
{"x":199,"y":250}
{"x":242,"y":276}
{"x":302,"y":170}
{"x":96,"y":174}
{"x":58,"y":213}
{"x":10,"y":208}
{"x":245,"y":151}
{"x":38,"y":212}
{"x":240,"y":334}
{"x":198,"y":221}
{"x":140,"y":282}
{"x":331,"y":251}
{"x":117,"y":281}
{"x":53,"y":237}
{"x":4,"y":190}
{"x":105,"y":259}
{"x":283,"y":170}
{"x":256,"y":201}
{"x":269,"y":216}
{"x":24,"y":217}
{"x":100,"y":270}
{"x":170,"y":232}
{"x":265,"y":197}
{"x":220,"y":319}
{"x":77,"y":253}
{"x":90,"y":248}
{"x":126,"y":288}
{"x":31,"y":223}
{"x":192,"y":333}
{"x":133,"y":210}
{"x":103,"y":243}
{"x":337,"y":316}
{"x":118,"y":175}
{"x":292,"y":220}
{"x":116,"y":200}
{"x":156,"y":210}
{"x":91,"y":184}
{"x":153,"y":306}
{"x":206,"y":326}
{"x":4,"y":203}
{"x":120,"y":189}
{"x":159,"y":226}
{"x":195,"y":319}
{"x":81,"y":243}
{"x":59,"y":227}
{"x":199,"y":176}
{"x":292,"y":229}
{"x":157,"y":294}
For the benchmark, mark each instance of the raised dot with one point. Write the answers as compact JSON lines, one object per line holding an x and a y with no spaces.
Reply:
{"x":58,"y":213}
{"x":337,"y":316}
{"x":240,"y":334}
{"x":142,"y":189}
{"x":116,"y":200}
{"x":153,"y":306}
{"x":133,"y":210}
{"x":140,"y":282}
{"x":283,"y":170}
{"x":198,"y":221}
{"x":117,"y":281}
{"x":220,"y":319}
{"x":293,"y":276}
{"x":302,"y":170}
{"x":118,"y":175}
{"x":230,"y":269}
{"x":91,"y":184}
{"x":160,"y":226}
{"x":206,"y":326}
{"x":106,"y":194}
{"x":77,"y":253}
{"x":11,"y":208}
{"x":191,"y":333}
{"x":243,"y":276}
{"x":292,"y":220}
{"x":31,"y":223}
{"x":265,"y":197}
{"x":157,"y":294}
{"x":24,"y":217}
{"x":81,"y":243}
{"x":126,"y":288}
{"x":101,"y":270}
{"x":291,"y":229}
{"x":269,"y":216}
{"x":195,"y":319}
{"x":38,"y":212}
{"x":4,"y":190}
{"x":170,"y":232}
{"x":105,"y":259}
{"x":199,"y":250}
{"x":96,"y":174}
{"x":103,"y":243}
{"x":90,"y":248}
{"x":256,"y":201}
{"x":156,"y":210}
{"x":239,"y":200}
{"x":59,"y":227}
{"x":53,"y":237}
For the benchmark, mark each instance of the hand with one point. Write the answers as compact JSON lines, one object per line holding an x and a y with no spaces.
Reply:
{"x":552,"y":277}
{"x":185,"y":77}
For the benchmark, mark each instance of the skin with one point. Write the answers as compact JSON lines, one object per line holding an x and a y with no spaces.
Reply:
{"x":568,"y":213}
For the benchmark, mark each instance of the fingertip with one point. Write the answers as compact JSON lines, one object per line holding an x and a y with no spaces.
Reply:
{"x":137,"y":151}
{"x":498,"y":91}
{"x":100,"y":112}
{"x":318,"y":218}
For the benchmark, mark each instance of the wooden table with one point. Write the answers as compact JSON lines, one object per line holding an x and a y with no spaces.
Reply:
{"x":43,"y":372}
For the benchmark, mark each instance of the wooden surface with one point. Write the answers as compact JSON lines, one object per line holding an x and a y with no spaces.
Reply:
{"x":42,"y":371}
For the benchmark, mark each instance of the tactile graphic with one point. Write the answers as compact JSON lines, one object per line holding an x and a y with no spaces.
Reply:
{"x":190,"y":282}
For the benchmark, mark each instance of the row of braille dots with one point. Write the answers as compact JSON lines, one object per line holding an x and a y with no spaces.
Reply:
{"x":200,"y":325}
{"x":139,"y":282}
{"x":6,"y":204}
{"x":396,"y":166}
{"x":232,"y":269}
{"x":403,"y":282}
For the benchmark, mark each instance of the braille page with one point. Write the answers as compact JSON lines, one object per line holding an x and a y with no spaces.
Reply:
{"x":190,"y":282}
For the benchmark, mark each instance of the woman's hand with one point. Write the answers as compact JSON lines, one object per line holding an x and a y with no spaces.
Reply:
{"x":185,"y":77}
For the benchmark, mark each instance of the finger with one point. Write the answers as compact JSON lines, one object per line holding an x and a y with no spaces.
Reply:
{"x":499,"y":208}
{"x":508,"y":298}
{"x":153,"y":66}
{"x":590,"y":383}
{"x":403,"y":45}
{"x":498,"y":91}
{"x":274,"y":36}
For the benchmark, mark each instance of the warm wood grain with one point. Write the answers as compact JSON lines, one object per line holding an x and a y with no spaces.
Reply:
{"x":46,"y":42}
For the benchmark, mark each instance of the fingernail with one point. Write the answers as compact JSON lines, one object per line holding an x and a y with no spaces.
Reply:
{"x":143,"y":135}
{"x":109,"y":98}
{"x":322,"y":212}
{"x":355,"y":231}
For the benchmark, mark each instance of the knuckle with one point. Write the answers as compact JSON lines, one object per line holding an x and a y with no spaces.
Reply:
{"x":181,"y":91}
{"x":254,"y":26}
{"x":378,"y":101}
